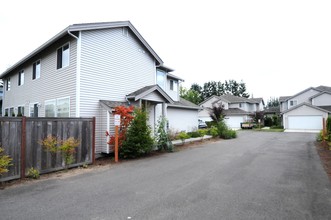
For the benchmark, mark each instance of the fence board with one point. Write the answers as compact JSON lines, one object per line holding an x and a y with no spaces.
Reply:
{"x":37,"y":129}
{"x":11,"y":142}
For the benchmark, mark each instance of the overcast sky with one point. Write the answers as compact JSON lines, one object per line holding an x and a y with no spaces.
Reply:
{"x":276,"y":47}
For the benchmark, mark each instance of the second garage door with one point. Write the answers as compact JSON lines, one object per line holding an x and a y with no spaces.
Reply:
{"x":233,"y":121}
{"x":305,"y":122}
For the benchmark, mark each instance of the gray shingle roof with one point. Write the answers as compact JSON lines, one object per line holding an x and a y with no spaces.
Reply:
{"x":183,"y":103}
{"x":324,"y":88}
{"x":235,"y":111}
{"x":82,"y":27}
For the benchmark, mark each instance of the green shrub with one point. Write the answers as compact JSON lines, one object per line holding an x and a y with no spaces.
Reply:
{"x":138,"y":140}
{"x":194,"y":134}
{"x":33,"y":173}
{"x":162,"y":137}
{"x":267,"y":121}
{"x":328,"y":125}
{"x":182,"y":136}
{"x":202,"y":132}
{"x":5,"y":162}
{"x":319,"y":136}
{"x":211,"y":124}
{"x":213,"y":131}
{"x":229,"y":134}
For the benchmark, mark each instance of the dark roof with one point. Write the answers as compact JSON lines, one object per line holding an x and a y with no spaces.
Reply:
{"x":324,"y":88}
{"x":272,"y":110}
{"x":235,"y":111}
{"x":82,"y":27}
{"x":284,"y":98}
{"x":172,"y":76}
{"x":327,"y":108}
{"x":256,"y":100}
{"x":183,"y":103}
{"x":140,"y":93}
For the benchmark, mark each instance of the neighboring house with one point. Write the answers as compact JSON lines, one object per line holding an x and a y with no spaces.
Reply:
{"x":236,"y":109}
{"x":87,"y":70}
{"x":306,"y":109}
{"x":271,"y":111}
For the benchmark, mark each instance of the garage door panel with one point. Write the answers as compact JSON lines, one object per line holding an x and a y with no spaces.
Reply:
{"x":305,"y":122}
{"x":234,"y":121}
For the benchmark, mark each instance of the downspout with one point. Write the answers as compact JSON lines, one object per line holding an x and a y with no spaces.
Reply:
{"x":78,"y":62}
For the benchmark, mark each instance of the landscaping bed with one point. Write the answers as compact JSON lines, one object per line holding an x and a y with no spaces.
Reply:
{"x":325,"y":155}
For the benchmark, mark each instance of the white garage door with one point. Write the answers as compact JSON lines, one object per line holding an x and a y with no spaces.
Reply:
{"x":305,"y":122}
{"x":233,"y":121}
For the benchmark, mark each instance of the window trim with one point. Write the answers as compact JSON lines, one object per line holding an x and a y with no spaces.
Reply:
{"x":56,"y":105}
{"x":294,"y":104}
{"x":34,"y":69}
{"x":60,"y":59}
{"x":23,"y":109}
{"x":32,"y":104}
{"x":20,"y":81}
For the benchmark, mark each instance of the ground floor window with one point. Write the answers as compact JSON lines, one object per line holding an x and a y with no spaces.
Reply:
{"x":33,"y":109}
{"x":20,"y":111}
{"x":57,"y":107}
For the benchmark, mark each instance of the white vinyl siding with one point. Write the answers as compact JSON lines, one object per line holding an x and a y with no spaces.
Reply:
{"x":52,"y":84}
{"x":112,"y":66}
{"x":322,"y":100}
{"x":182,"y":119}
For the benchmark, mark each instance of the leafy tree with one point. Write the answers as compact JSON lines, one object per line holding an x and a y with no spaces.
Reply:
{"x":273,"y":102}
{"x":216,"y":113}
{"x":138,"y":140}
{"x":190,"y":95}
{"x":126,"y":117}
{"x":162,"y":138}
{"x":196,"y":87}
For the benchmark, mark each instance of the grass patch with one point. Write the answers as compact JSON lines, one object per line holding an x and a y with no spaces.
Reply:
{"x":270,"y":130}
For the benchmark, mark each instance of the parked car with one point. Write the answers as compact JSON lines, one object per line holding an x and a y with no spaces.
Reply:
{"x":201,"y":124}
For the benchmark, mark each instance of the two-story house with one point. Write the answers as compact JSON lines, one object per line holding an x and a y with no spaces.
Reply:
{"x":236,"y":109}
{"x":88,"y":69}
{"x":306,"y":109}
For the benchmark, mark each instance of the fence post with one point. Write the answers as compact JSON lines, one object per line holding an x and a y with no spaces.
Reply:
{"x":93,"y":141}
{"x":23,"y":143}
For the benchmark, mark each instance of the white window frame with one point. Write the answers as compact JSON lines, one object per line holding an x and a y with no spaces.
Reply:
{"x":293,"y":103}
{"x":57,"y":58}
{"x":125,"y":31}
{"x":6,"y":110}
{"x":37,"y":74}
{"x":174,"y":85}
{"x":47,"y":103}
{"x":20,"y":106}
{"x":32,"y":104}
{"x":21,"y":77}
{"x":164,"y":79}
{"x":10,"y":113}
{"x":56,"y":105}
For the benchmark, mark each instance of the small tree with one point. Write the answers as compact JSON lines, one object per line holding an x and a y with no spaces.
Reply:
{"x":126,"y":118}
{"x":66,"y":147}
{"x":162,"y":138}
{"x":216,"y":112}
{"x":5,"y":162}
{"x":138,"y":140}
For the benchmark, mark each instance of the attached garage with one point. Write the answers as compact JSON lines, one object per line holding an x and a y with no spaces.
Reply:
{"x":308,"y":122}
{"x":304,"y":117}
{"x":234,"y":121}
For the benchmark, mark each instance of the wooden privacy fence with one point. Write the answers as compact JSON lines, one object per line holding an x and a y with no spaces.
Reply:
{"x":20,"y":139}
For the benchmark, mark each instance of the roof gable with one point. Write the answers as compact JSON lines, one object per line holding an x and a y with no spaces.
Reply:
{"x":305,"y":104}
{"x":83,"y":27}
{"x":147,"y":90}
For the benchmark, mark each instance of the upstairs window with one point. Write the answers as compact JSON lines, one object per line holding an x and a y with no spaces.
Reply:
{"x":36,"y":70}
{"x":63,"y":56}
{"x":173,"y":85}
{"x":8,"y":84}
{"x":293,"y":103}
{"x":21,"y":77}
{"x":161,"y":79}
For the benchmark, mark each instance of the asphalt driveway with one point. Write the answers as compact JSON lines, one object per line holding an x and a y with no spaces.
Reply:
{"x":259,"y":175}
